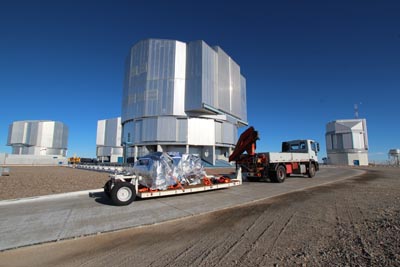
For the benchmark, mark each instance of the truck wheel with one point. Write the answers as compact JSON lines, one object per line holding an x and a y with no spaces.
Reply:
{"x":311,"y":170}
{"x":280,"y":175}
{"x":123,"y":193}
{"x":107,"y":188}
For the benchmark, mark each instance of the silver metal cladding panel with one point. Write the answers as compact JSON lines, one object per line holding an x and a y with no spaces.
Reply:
{"x":60,"y":135}
{"x":182,"y":130}
{"x":243,"y":92}
{"x":328,"y":140}
{"x":223,"y":80}
{"x":364,"y":127}
{"x":347,"y":141}
{"x":52,"y":135}
{"x":150,"y":89}
{"x":161,"y":59}
{"x":149,"y":130}
{"x":154,"y":129}
{"x":231,"y":86}
{"x":33,"y":132}
{"x":194,"y":71}
{"x":46,"y":134}
{"x":166,"y":129}
{"x":137,"y":136}
{"x":112,"y":135}
{"x":109,"y":132}
{"x":235,"y":89}
{"x":209,"y":75}
{"x":126,"y":107}
{"x":104,"y":151}
{"x":218,"y":132}
{"x":135,"y":83}
{"x":159,"y":94}
{"x":101,"y":131}
{"x":11,"y":136}
{"x":213,"y":78}
{"x":229,"y":133}
{"x":117,"y":151}
{"x":179,"y":79}
{"x":201,"y":76}
{"x":201,"y":132}
{"x":17,"y":133}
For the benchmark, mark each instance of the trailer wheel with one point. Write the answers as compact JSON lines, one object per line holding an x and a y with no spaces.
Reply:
{"x":311,"y":170}
{"x":107,"y":188}
{"x":280,"y":174}
{"x":123,"y":193}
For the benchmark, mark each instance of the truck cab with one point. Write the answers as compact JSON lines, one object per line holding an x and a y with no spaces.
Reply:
{"x":310,"y":147}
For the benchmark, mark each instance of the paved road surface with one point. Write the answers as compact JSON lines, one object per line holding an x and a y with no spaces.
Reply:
{"x":38,"y":221}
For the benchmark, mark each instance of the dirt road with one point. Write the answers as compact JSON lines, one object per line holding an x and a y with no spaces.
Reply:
{"x":351,"y":223}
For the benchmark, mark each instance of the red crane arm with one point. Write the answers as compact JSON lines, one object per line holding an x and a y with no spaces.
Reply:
{"x":246,"y":142}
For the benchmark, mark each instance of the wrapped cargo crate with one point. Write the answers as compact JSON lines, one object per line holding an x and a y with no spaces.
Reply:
{"x":158,"y":170}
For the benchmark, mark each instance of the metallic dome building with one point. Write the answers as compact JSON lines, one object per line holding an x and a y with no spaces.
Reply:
{"x":38,"y":137}
{"x":347,"y":142}
{"x":182,"y":97}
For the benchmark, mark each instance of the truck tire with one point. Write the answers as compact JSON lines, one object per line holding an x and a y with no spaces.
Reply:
{"x":107,"y":188}
{"x":311,"y":170}
{"x":280,"y":174}
{"x":123,"y":193}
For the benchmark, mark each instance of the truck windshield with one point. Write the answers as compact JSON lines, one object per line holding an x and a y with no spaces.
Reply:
{"x":298,"y":146}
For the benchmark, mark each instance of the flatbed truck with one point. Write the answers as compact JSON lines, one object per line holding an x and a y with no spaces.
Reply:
{"x":297,"y":157}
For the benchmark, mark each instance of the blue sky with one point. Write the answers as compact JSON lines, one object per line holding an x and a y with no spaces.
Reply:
{"x":306,"y":62}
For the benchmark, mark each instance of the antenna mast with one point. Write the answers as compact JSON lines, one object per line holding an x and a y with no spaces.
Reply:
{"x":356,"y":111}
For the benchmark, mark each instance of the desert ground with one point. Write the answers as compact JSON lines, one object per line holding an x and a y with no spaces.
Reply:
{"x":355,"y":222}
{"x":30,"y":181}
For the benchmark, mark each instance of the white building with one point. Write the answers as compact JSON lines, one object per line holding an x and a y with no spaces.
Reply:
{"x":108,"y":141}
{"x":39,"y":137}
{"x":347,"y":142}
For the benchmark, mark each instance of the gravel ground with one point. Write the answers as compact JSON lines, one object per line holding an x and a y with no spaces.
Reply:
{"x":38,"y":181}
{"x":355,"y":222}
{"x":32,"y":181}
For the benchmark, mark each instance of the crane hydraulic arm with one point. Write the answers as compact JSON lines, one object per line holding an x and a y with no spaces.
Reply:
{"x":246,"y":142}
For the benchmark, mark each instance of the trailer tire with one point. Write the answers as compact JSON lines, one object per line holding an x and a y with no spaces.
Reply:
{"x":280,"y":174}
{"x":123,"y":193}
{"x":107,"y":188}
{"x":311,"y":170}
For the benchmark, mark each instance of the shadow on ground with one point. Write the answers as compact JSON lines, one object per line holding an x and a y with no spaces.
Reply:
{"x":101,"y":198}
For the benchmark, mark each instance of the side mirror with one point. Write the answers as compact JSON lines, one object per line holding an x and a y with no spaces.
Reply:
{"x":317,"y":147}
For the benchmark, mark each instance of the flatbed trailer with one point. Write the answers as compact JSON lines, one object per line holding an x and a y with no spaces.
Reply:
{"x":124,"y":189}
